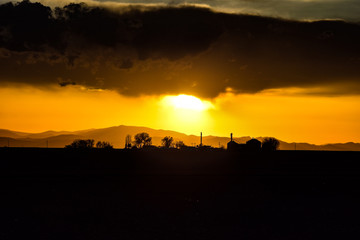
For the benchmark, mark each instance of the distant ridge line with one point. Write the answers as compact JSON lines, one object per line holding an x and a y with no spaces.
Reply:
{"x":116,"y":135}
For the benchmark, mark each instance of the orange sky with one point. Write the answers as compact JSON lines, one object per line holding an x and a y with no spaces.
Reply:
{"x":284,"y":114}
{"x":256,"y":75}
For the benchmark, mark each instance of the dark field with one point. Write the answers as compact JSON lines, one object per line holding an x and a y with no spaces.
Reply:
{"x":67,"y":194}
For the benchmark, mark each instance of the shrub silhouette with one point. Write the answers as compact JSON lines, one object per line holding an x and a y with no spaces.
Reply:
{"x":142,"y":139}
{"x":167,"y":142}
{"x":270,"y":144}
{"x":180,"y":144}
{"x":81,"y":143}
{"x":105,"y":145}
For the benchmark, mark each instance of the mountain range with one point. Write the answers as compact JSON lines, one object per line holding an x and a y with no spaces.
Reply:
{"x":116,"y":135}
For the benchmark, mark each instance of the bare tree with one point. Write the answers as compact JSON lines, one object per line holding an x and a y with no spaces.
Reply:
{"x":167,"y":142}
{"x":142,"y":139}
{"x":128,"y":141}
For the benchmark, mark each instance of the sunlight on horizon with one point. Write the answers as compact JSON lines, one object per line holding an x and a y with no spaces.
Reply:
{"x":186,"y":113}
{"x":190,"y":102}
{"x":290,"y":118}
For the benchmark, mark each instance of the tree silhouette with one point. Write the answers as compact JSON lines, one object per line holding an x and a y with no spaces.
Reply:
{"x":270,"y":144}
{"x":142,"y":139}
{"x":80,"y":143}
{"x":167,"y":142}
{"x":128,"y":141}
{"x":105,"y":145}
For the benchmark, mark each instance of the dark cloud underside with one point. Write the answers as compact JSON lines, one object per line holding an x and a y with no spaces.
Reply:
{"x":137,"y":50}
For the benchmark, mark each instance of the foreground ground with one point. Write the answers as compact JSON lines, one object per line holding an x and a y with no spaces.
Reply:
{"x":65,"y":194}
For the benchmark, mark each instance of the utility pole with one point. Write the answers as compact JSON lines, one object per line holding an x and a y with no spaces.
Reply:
{"x":8,"y":142}
{"x":200,"y":139}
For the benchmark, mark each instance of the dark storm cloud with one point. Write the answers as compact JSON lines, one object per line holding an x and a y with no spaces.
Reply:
{"x":170,"y":50}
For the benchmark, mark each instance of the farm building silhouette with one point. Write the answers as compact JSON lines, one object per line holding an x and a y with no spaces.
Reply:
{"x":253,"y":145}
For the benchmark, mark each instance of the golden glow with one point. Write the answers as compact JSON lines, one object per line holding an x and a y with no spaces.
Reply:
{"x":185,"y":112}
{"x":183,"y":101}
{"x":281,"y":114}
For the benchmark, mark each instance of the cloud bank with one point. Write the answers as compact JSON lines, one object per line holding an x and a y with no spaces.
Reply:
{"x":290,"y":9}
{"x":138,"y":50}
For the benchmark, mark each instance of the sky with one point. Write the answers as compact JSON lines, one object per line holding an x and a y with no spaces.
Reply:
{"x":286,"y":69}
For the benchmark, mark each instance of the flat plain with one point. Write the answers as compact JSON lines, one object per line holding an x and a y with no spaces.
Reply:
{"x":172,"y":194}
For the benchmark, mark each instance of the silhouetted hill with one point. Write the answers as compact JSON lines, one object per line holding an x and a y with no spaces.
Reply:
{"x":48,"y":134}
{"x":12,"y":134}
{"x":53,"y":142}
{"x":116,"y":135}
{"x":22,"y":142}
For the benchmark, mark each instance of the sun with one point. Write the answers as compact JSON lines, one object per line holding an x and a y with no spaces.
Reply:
{"x":185,"y":113}
{"x":189,"y":102}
